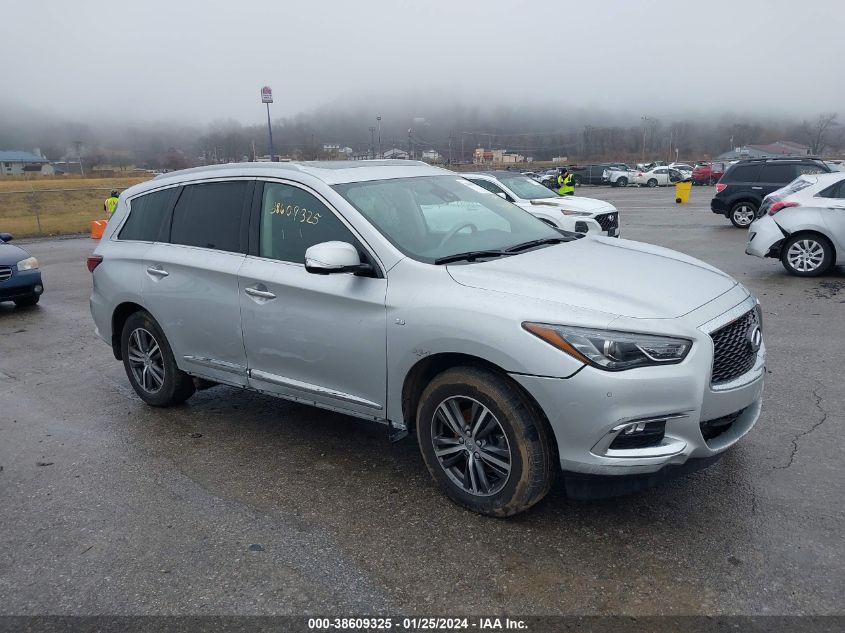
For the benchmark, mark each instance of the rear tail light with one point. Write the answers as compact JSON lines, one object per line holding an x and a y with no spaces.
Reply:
{"x":93,"y":261}
{"x":777,"y":206}
{"x":720,"y":187}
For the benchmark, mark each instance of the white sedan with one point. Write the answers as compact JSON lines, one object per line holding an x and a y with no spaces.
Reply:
{"x":571,"y":213}
{"x":802,"y":224}
{"x":658,"y":177}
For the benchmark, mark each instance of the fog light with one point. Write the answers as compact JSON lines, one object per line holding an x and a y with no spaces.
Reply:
{"x":38,"y":289}
{"x":634,"y":427}
{"x":581,"y":227}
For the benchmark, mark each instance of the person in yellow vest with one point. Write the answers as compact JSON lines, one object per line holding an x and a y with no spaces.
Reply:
{"x":564,"y":183}
{"x":110,"y":203}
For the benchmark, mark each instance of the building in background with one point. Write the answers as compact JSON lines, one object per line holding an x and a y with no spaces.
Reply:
{"x":17,"y":163}
{"x":772,"y":150}
{"x":432,"y":156}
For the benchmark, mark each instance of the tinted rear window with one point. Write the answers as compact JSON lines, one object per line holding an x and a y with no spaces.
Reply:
{"x":148,"y":216}
{"x":743,"y":173}
{"x":209,"y":215}
{"x":780,"y":174}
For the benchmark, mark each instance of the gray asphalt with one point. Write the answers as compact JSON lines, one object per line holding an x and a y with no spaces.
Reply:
{"x":238,"y":503}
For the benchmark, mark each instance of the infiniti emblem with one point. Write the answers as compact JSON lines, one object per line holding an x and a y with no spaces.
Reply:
{"x":754,"y":337}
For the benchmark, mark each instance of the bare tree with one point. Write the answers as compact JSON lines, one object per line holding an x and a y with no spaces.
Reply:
{"x":816,"y":132}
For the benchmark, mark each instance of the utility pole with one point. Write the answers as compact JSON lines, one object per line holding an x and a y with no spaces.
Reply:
{"x":450,"y":147}
{"x":380,"y":154}
{"x":644,"y":119}
{"x":410,"y":145}
{"x":78,"y":145}
{"x":372,"y":130}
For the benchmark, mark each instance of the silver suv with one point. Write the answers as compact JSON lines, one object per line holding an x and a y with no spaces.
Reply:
{"x":402,"y":293}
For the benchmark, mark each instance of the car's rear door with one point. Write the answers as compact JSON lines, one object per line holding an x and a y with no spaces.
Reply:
{"x":832,"y":203}
{"x":773,"y":176}
{"x":316,"y":338}
{"x":191,"y":279}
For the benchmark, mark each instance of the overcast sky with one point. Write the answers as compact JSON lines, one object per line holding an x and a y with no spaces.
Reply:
{"x":200,"y":61}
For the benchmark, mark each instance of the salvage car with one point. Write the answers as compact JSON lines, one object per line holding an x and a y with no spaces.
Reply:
{"x":658,"y":177}
{"x":572,"y":213}
{"x":803,"y":225}
{"x":20,"y":278}
{"x":404,"y":294}
{"x":742,"y":188}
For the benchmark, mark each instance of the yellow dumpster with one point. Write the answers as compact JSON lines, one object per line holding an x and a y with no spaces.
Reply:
{"x":682,"y":191}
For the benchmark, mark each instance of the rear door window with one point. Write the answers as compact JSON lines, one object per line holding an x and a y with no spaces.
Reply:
{"x":148,"y":216}
{"x":743,"y":173}
{"x":210,"y":215}
{"x":810,"y":169}
{"x":778,"y":173}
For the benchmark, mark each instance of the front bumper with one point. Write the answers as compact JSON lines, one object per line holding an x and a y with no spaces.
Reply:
{"x":21,"y":284}
{"x":765,"y":238}
{"x":587,"y":410}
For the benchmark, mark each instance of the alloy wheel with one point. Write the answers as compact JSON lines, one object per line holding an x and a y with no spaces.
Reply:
{"x":744,"y":214}
{"x":471,"y":446}
{"x":145,"y":360}
{"x":805,"y":255}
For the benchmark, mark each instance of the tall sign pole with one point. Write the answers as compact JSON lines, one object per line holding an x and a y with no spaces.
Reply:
{"x":267,"y":98}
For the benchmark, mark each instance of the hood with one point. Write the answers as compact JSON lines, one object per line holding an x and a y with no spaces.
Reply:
{"x":589,"y":205}
{"x":618,"y":277}
{"x":11,"y":255}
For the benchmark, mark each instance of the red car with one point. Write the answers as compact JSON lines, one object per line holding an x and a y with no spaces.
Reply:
{"x":708,"y":173}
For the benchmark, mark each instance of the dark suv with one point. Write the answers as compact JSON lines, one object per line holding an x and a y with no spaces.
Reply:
{"x":741,"y":190}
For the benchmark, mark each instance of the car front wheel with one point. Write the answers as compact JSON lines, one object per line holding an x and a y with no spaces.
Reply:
{"x":483,"y":442}
{"x":27,"y":301}
{"x":652,"y":182}
{"x":806,"y":255}
{"x":742,"y":214}
{"x":622,"y":182}
{"x":150,"y":364}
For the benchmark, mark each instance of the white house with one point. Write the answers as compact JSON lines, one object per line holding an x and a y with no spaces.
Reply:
{"x":15,"y":163}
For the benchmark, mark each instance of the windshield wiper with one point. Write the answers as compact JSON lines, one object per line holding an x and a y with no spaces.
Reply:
{"x":533,"y":243}
{"x":469,"y":256}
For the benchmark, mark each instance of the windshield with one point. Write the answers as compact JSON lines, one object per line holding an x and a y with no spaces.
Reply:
{"x":432,"y":217}
{"x":528,"y":188}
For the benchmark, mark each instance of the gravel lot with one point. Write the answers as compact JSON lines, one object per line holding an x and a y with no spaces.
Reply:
{"x":238,"y":503}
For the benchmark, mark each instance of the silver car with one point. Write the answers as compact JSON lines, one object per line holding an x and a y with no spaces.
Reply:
{"x":803,"y":225}
{"x":401,"y":293}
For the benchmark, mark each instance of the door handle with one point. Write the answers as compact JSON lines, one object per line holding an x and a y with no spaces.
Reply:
{"x":157,"y":271}
{"x":756,"y":187}
{"x":257,"y":292}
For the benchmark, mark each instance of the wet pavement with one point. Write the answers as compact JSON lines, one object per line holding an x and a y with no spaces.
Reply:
{"x":238,"y":503}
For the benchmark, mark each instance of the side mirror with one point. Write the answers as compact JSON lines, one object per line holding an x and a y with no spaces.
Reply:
{"x":327,"y":258}
{"x":6,"y":237}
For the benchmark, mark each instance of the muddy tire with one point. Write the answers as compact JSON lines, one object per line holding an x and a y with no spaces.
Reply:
{"x":484,"y":443}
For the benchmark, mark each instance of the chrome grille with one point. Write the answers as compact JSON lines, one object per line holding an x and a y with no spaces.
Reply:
{"x":608,"y":221}
{"x":5,"y":272}
{"x":733,"y":354}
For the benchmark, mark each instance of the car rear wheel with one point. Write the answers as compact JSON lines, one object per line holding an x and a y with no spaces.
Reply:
{"x":150,"y":364}
{"x":27,"y":301}
{"x":807,"y":255}
{"x":742,"y":214}
{"x":652,"y":182}
{"x":483,"y":443}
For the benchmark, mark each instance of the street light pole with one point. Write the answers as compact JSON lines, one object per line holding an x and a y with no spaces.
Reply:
{"x":372,"y":146}
{"x":267,"y":98}
{"x":380,"y":155}
{"x":644,"y":119}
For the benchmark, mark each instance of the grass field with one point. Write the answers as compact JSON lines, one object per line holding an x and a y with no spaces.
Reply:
{"x":63,"y":205}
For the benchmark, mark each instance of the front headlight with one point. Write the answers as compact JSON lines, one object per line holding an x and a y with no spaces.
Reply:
{"x":571,"y":212}
{"x":609,"y":350}
{"x":27,"y":264}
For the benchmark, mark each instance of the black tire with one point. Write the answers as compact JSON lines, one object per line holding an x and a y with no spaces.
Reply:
{"x":517,"y":428}
{"x":652,"y":182}
{"x":807,"y":255}
{"x":742,"y":214}
{"x":622,"y":182}
{"x":25,"y":302}
{"x":176,"y":386}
